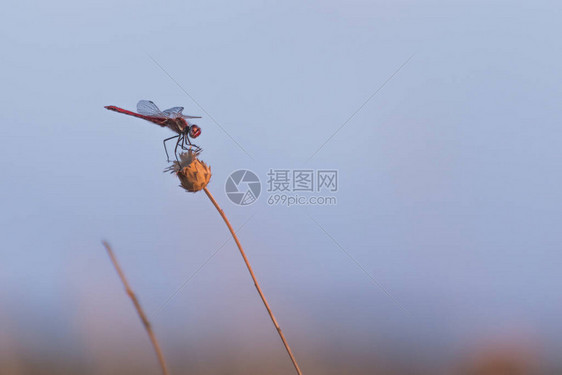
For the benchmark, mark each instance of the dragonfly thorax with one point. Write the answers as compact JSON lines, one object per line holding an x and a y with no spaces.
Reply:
{"x":178,"y":125}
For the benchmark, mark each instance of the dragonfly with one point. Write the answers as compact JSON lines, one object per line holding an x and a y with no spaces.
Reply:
{"x":171,"y":118}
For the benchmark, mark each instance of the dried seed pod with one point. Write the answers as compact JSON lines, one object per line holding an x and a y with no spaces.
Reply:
{"x":194,"y":174}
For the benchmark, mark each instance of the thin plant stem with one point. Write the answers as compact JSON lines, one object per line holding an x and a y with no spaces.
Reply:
{"x":139,"y":309}
{"x":221,"y":212}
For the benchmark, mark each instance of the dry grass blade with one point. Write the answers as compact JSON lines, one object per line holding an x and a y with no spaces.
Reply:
{"x":139,"y":309}
{"x":221,"y":212}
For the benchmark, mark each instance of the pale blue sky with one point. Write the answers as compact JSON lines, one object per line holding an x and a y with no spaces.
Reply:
{"x":449,"y":177}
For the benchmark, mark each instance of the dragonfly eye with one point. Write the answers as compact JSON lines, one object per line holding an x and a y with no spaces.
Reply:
{"x":194,"y":131}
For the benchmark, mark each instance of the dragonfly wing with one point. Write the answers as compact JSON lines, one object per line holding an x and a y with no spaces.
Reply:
{"x":148,"y":108}
{"x":177,"y":112}
{"x":173,"y":112}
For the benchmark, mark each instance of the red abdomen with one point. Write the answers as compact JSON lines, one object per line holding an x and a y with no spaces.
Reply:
{"x":156,"y":120}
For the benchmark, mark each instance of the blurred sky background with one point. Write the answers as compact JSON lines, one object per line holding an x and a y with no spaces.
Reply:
{"x":449,"y":191}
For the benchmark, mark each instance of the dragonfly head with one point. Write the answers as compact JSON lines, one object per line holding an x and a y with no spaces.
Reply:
{"x":194,"y":131}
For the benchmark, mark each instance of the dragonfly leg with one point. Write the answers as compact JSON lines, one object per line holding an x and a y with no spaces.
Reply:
{"x":191,"y":145}
{"x":165,"y":149}
{"x":180,"y":139}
